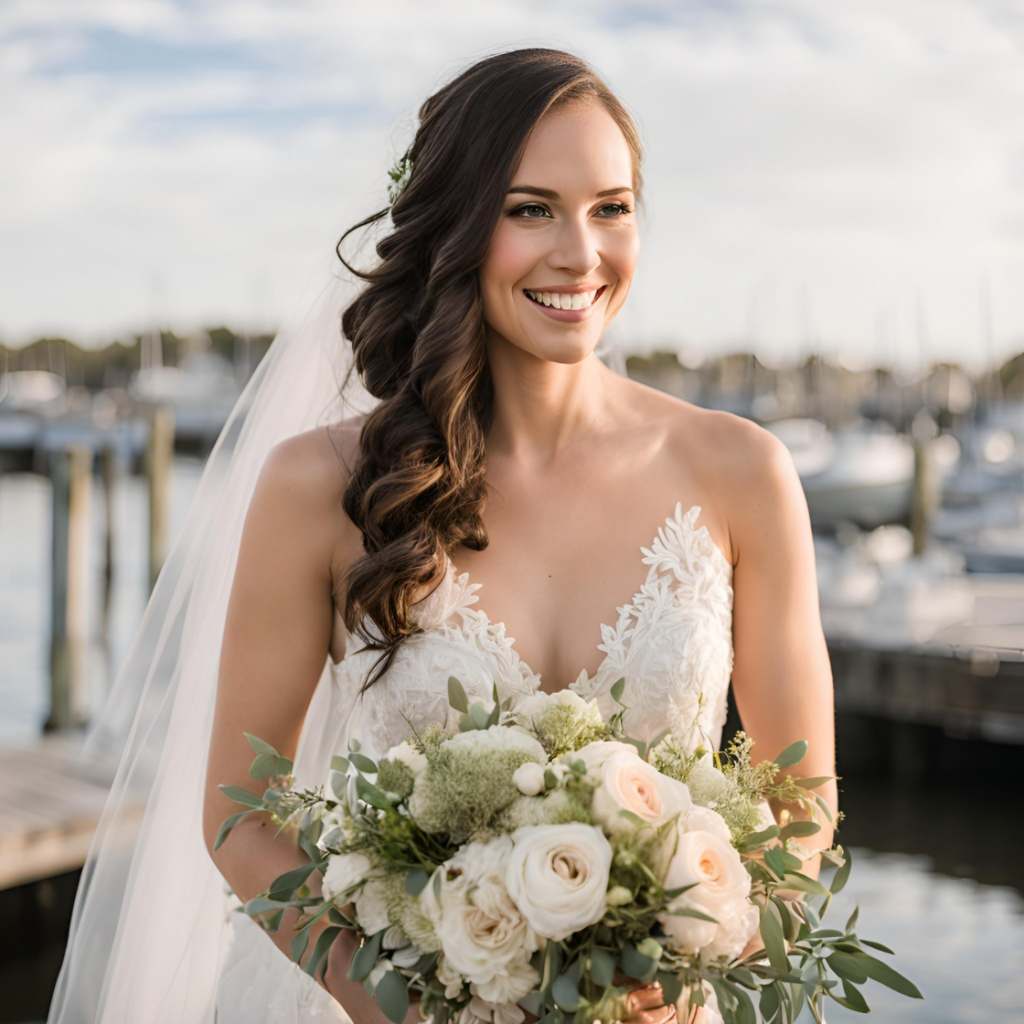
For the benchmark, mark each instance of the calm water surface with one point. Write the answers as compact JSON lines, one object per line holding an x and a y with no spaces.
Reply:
{"x":938,"y":874}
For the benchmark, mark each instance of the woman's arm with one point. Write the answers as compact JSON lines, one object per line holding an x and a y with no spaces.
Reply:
{"x":782,"y":677}
{"x":276,"y":639}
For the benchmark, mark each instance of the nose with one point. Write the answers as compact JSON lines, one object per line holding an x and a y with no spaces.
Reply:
{"x":575,"y":248}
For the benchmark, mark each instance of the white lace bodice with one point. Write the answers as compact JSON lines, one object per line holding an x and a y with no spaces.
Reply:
{"x":672,"y":643}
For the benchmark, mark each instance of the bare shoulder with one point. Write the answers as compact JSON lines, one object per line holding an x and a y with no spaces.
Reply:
{"x":746,"y":473}
{"x":304,"y":476}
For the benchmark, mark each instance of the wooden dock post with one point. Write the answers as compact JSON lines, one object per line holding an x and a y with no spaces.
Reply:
{"x":108,"y":470}
{"x":71,"y":473}
{"x":159,"y":454}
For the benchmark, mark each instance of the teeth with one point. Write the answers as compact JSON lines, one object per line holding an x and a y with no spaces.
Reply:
{"x":564,"y":300}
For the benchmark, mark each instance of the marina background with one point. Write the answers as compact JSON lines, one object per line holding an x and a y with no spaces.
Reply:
{"x":832,"y":247}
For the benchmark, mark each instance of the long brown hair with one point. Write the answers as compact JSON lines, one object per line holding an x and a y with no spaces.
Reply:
{"x":417,"y":330}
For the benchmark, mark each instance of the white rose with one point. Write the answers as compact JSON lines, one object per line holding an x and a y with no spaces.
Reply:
{"x":481,"y":930}
{"x":372,"y":907}
{"x":509,"y":985}
{"x":558,"y":876}
{"x":721,"y":886}
{"x":594,"y":755}
{"x":529,"y":778}
{"x":629,"y":783}
{"x":481,"y":1012}
{"x":344,"y":871}
{"x":735,"y":931}
{"x":449,"y":977}
{"x":407,"y":754}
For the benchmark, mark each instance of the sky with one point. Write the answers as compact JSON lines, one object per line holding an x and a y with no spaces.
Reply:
{"x":819,"y":177}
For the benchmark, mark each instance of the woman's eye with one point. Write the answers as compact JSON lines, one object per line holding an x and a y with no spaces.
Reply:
{"x":619,"y":208}
{"x":521,"y":211}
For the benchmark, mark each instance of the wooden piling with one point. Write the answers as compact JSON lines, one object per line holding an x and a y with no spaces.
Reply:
{"x":71,"y":474}
{"x":159,"y":455}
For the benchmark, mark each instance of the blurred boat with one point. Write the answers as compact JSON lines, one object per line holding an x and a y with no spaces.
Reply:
{"x":862,"y":474}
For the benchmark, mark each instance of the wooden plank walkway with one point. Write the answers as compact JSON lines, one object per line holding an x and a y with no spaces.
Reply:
{"x":50,"y":805}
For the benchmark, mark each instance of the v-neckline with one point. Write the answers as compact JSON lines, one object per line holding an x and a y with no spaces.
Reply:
{"x":510,"y":641}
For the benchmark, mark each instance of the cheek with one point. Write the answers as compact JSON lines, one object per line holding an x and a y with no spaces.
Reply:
{"x":509,"y":259}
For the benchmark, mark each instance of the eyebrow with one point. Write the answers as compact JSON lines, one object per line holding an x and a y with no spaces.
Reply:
{"x":547,"y":193}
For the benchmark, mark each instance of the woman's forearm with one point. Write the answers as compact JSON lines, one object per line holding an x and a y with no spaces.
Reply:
{"x":250,"y":859}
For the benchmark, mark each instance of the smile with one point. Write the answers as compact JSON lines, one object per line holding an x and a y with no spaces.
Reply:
{"x":565,"y":300}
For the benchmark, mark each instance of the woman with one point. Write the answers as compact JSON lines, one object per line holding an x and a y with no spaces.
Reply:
{"x":505,"y":453}
{"x":489,"y":518}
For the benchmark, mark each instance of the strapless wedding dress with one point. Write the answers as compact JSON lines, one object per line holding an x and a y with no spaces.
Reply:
{"x":672,"y":642}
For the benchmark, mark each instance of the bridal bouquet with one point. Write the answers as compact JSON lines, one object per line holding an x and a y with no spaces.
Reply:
{"x":540,"y":859}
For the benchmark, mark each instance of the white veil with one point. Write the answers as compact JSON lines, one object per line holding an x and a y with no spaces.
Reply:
{"x":149,"y":923}
{"x":149,"y":928}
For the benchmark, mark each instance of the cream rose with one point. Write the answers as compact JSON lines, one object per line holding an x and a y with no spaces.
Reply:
{"x":721,"y":886}
{"x":628,"y":783}
{"x":482,"y":932}
{"x":478,"y":1011}
{"x":405,"y":753}
{"x":594,"y":755}
{"x":558,"y":876}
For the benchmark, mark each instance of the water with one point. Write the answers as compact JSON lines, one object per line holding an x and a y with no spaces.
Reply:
{"x":938,"y":873}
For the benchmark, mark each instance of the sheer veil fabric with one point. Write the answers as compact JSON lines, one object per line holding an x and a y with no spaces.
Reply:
{"x":150,"y":921}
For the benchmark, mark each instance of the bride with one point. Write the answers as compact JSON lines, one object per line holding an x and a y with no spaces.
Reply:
{"x":488,"y":515}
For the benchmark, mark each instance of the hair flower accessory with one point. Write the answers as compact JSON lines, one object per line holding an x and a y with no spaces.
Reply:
{"x":399,"y":175}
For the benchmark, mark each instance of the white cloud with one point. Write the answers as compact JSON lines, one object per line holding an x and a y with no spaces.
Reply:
{"x":818,"y":174}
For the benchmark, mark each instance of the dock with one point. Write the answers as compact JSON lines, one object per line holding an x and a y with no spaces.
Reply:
{"x":50,"y":805}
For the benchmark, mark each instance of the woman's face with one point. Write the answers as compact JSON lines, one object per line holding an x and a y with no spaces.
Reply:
{"x":567,"y":230}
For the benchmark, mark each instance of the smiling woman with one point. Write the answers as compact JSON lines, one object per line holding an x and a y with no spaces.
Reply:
{"x":324,"y":595}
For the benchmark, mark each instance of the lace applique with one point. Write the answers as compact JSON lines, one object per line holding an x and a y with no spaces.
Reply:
{"x":672,"y":642}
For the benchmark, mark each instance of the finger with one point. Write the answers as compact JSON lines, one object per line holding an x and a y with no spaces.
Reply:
{"x":647,"y":998}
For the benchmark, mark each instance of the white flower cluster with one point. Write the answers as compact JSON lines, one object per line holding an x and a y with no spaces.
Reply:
{"x":512,"y":888}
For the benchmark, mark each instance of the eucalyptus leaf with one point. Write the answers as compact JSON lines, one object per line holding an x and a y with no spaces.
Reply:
{"x":242,"y":796}
{"x":617,"y":689}
{"x":291,"y":880}
{"x":299,"y":944}
{"x":284,"y":766}
{"x":813,"y":781}
{"x":366,"y":957}
{"x":416,"y":881}
{"x":885,"y":975}
{"x":602,"y":967}
{"x":479,"y":715}
{"x":635,"y":964}
{"x":793,"y":754}
{"x":323,"y":944}
{"x":854,"y":999}
{"x":671,"y":986}
{"x":842,"y":875}
{"x":851,"y":922}
{"x":773,"y":938}
{"x":698,"y":915}
{"x":370,"y":794}
{"x":227,"y":826}
{"x":769,"y":1002}
{"x":565,"y":993}
{"x":339,"y":764}
{"x":773,"y":859}
{"x":877,"y":945}
{"x":826,"y":810}
{"x":457,"y":695}
{"x":801,"y":883}
{"x":799,"y":828}
{"x":263,"y":766}
{"x":362,"y":762}
{"x":260,"y":746}
{"x":392,"y":995}
{"x":848,"y":967}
